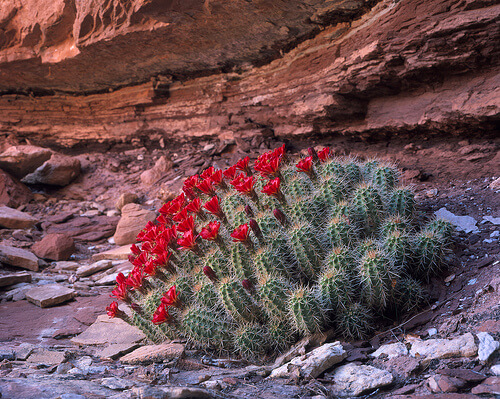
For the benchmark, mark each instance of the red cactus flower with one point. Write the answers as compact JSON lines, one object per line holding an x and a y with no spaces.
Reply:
{"x":206,"y":186}
{"x":230,"y":173}
{"x":209,"y":272}
{"x":272,"y":188}
{"x":243,"y":184}
{"x":213,"y":207}
{"x":135,"y":250}
{"x":112,"y":310}
{"x":217,"y":178}
{"x":324,"y":154}
{"x":189,"y":184}
{"x":312,"y":152}
{"x":207,"y":172}
{"x":194,"y":206}
{"x":160,"y":315}
{"x":120,"y":278}
{"x":171,"y":297}
{"x":305,"y":165}
{"x":242,"y":165}
{"x":149,"y":268}
{"x":163,"y":220}
{"x":181,"y":215}
{"x":174,"y":206}
{"x":211,"y":231}
{"x":268,"y":164}
{"x":120,"y":292}
{"x":240,"y":234}
{"x":188,"y":240}
{"x":186,"y":224}
{"x":135,"y":278}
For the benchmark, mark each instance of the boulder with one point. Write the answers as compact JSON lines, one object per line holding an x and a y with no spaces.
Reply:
{"x":54,"y":247}
{"x":133,"y":220}
{"x":23,"y":159}
{"x":126,"y":198}
{"x":11,"y":218}
{"x":13,"y":193}
{"x":18,"y":257}
{"x":487,"y":346}
{"x":14,"y":278}
{"x":151,"y":176}
{"x":59,"y":170}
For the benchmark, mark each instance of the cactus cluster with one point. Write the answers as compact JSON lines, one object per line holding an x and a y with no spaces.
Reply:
{"x":252,"y":260}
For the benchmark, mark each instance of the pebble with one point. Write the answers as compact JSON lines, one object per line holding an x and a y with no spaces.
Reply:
{"x":487,"y":346}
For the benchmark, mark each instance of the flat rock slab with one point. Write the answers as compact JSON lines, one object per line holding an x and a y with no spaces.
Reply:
{"x":23,"y":159}
{"x":464,"y":223}
{"x":11,"y":218}
{"x":50,"y":295}
{"x":109,"y":331}
{"x":85,"y":228}
{"x":120,"y":253}
{"x":18,"y":257}
{"x":14,"y":278}
{"x":48,"y":357}
{"x":463,"y":346}
{"x":87,"y":270}
{"x":114,"y":351}
{"x":353,"y":380}
{"x":171,"y":393}
{"x":313,"y":363}
{"x":491,"y":385}
{"x":154,"y":353}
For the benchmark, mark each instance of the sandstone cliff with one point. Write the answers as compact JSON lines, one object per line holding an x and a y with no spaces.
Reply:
{"x":112,"y":70}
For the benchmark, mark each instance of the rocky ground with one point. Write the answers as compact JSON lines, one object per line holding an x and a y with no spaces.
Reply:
{"x":64,"y":239}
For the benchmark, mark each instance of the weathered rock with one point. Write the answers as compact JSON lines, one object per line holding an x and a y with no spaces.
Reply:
{"x":154,"y":353}
{"x":491,"y":385}
{"x":495,"y":184}
{"x":50,"y":295}
{"x":153,"y":175}
{"x":14,"y":278}
{"x":444,"y":348}
{"x":59,"y":170}
{"x":48,"y":357}
{"x":313,"y":363}
{"x":66,"y":266}
{"x":98,"y":266}
{"x":86,"y":229}
{"x":126,"y":198}
{"x":114,"y":351}
{"x":495,"y":369}
{"x":463,"y":223}
{"x":56,"y":246}
{"x":443,"y":383}
{"x":487,"y":346}
{"x":133,"y":220}
{"x":120,"y":253}
{"x":464,"y":374}
{"x":18,"y":257}
{"x":391,"y":350}
{"x":12,"y":192}
{"x":13,"y":219}
{"x":23,"y":159}
{"x":117,"y":384}
{"x":171,"y":393}
{"x":24,"y":350}
{"x":353,"y":380}
{"x":109,"y":331}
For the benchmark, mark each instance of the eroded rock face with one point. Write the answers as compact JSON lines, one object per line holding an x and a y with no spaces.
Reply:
{"x":400,"y":67}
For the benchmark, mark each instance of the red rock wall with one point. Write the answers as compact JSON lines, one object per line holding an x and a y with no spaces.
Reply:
{"x":408,"y":66}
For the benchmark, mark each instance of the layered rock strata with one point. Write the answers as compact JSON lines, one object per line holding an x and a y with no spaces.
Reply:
{"x":407,"y":66}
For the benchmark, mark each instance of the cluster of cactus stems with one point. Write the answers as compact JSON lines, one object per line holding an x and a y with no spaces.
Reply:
{"x":252,"y":260}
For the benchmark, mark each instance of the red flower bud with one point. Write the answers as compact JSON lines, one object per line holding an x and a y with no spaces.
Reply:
{"x":255,"y":228}
{"x":209,"y":272}
{"x":280,"y":217}
{"x":247,"y":284}
{"x":249,"y":211}
{"x":312,"y":152}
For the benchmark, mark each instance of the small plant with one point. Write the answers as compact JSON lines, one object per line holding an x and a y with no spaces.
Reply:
{"x":253,"y":259}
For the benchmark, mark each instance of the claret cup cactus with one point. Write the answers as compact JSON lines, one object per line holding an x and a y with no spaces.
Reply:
{"x":253,"y":259}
